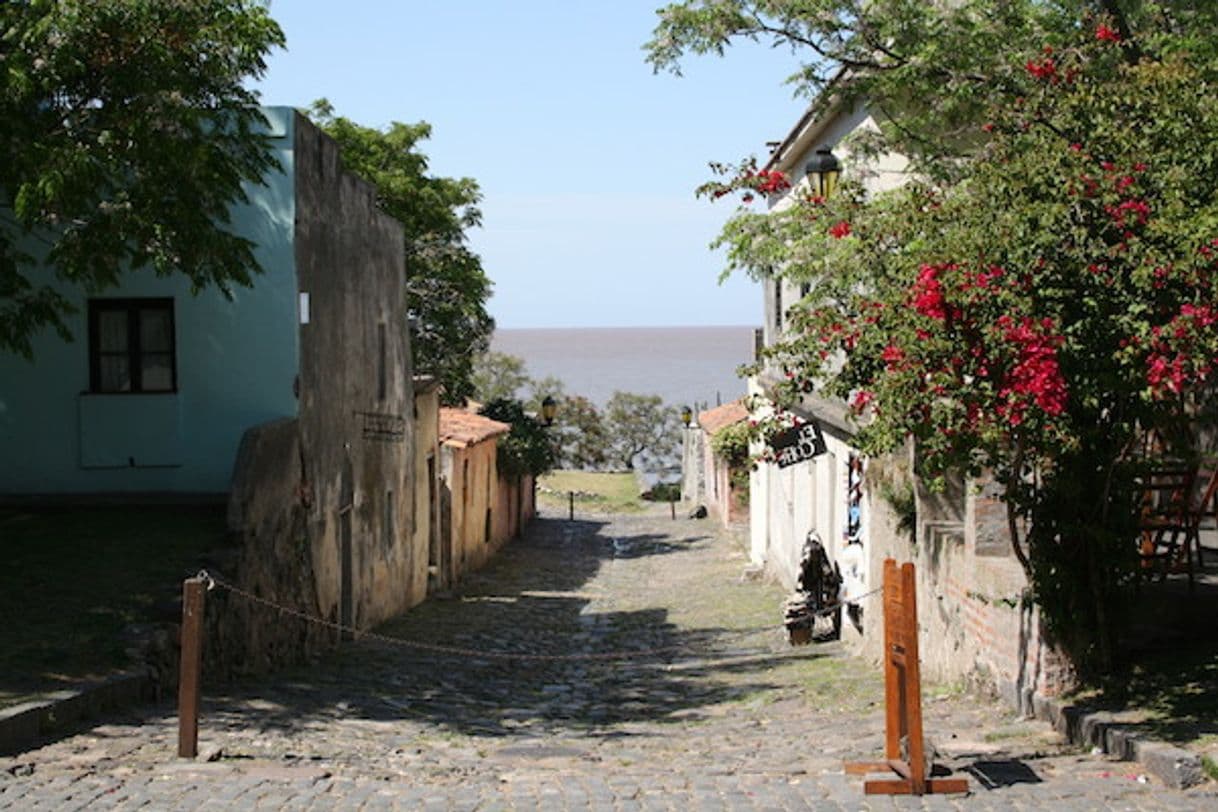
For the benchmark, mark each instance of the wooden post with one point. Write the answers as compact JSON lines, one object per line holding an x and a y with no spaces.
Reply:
{"x":672,"y":507}
{"x":902,"y":697}
{"x":193,"y":590}
{"x":571,"y":505}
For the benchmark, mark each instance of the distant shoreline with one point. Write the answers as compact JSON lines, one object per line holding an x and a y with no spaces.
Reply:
{"x":683,"y":365}
{"x":636,"y":327}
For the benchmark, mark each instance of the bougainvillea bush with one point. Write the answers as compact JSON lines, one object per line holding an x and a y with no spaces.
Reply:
{"x":1030,"y":314}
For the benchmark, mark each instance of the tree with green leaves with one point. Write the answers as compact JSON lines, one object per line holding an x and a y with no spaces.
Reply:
{"x":581,"y":434}
{"x":527,"y":449}
{"x":1042,"y":292}
{"x":446,"y":287}
{"x":640,"y":425}
{"x":127,"y":133}
{"x":498,"y":376}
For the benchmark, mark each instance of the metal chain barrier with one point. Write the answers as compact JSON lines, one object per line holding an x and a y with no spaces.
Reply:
{"x":212,"y":582}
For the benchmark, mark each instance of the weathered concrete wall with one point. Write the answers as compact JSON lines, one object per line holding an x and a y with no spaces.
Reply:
{"x":693,"y":475}
{"x":484,"y":511}
{"x":425,"y":541}
{"x":513,"y":509}
{"x":322,"y":506}
{"x":356,"y":389}
{"x":472,"y":473}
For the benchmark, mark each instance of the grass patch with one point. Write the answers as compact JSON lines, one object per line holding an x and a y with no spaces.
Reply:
{"x":75,"y":577}
{"x":594,"y":491}
{"x":1209,"y":767}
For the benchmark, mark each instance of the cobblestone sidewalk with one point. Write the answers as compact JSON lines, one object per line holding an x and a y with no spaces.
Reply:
{"x":708,"y":709}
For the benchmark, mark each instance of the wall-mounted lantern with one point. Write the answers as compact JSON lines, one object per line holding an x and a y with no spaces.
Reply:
{"x":687,"y":415}
{"x":823,"y":171}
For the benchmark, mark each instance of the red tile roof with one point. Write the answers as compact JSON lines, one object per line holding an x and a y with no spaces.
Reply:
{"x":462,"y":429}
{"x":720,"y":417}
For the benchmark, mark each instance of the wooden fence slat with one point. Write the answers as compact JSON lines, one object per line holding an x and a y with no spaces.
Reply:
{"x":902,"y":697}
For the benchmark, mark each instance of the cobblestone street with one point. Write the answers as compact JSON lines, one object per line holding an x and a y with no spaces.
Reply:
{"x":713,"y":710}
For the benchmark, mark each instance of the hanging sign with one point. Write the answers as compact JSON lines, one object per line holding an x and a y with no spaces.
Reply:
{"x":798,"y":444}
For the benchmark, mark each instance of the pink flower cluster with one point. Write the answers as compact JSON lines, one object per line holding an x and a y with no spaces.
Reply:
{"x":1035,"y":378}
{"x":1105,"y":34}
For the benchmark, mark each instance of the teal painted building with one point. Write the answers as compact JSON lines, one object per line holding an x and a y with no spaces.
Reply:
{"x":158,"y":386}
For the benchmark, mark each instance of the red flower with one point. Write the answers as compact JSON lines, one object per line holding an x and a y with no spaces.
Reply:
{"x":892,"y":355}
{"x":1045,"y":70}
{"x":772,"y":181}
{"x":861,"y":399}
{"x":1106,"y":34}
{"x":928,"y":293}
{"x":1035,"y":379}
{"x":840,"y":229}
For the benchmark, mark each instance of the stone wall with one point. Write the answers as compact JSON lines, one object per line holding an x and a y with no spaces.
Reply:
{"x":271,"y":557}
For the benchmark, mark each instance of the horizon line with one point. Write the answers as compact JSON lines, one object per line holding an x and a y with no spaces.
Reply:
{"x":632,"y":327}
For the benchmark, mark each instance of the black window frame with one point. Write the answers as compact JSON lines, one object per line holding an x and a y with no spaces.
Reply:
{"x":135,"y":353}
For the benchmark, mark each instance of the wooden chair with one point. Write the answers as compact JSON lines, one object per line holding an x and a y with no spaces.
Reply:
{"x":1176,"y":499}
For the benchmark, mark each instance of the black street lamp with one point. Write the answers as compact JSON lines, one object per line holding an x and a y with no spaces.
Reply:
{"x":549,"y":408}
{"x":823,"y":171}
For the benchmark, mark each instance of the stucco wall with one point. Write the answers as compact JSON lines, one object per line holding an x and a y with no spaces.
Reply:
{"x":472,"y":486}
{"x":425,"y":540}
{"x":236,"y":361}
{"x":356,"y":389}
{"x":471,"y":478}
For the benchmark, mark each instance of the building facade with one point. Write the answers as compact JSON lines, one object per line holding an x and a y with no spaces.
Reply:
{"x":291,"y":401}
{"x":977,"y":623}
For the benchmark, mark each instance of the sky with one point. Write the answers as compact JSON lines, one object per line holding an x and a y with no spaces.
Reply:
{"x":587,"y":160}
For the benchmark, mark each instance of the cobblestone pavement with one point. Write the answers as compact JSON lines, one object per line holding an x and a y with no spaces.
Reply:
{"x":711,"y":710}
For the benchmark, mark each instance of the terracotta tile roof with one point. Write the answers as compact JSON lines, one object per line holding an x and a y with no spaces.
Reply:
{"x":461,"y":428}
{"x":720,"y":417}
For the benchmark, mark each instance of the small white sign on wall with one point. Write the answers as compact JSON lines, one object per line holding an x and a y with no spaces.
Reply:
{"x":304,"y":307}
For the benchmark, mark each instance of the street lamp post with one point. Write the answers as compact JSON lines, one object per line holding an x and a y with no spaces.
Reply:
{"x":549,"y":408}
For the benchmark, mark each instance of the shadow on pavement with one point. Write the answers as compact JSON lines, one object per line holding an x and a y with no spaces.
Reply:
{"x":996,"y":773}
{"x":533,"y":600}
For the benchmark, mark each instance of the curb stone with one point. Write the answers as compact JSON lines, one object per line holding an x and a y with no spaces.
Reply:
{"x":1174,"y":766}
{"x":25,"y":725}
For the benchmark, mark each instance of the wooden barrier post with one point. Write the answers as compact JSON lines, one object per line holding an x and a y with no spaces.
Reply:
{"x":902,"y":697}
{"x":571,"y":505}
{"x":193,"y":590}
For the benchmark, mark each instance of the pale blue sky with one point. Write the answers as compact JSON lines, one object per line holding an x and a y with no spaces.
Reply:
{"x":586,"y":159}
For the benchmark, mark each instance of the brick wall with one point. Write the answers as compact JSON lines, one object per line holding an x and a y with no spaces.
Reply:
{"x":976,"y":623}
